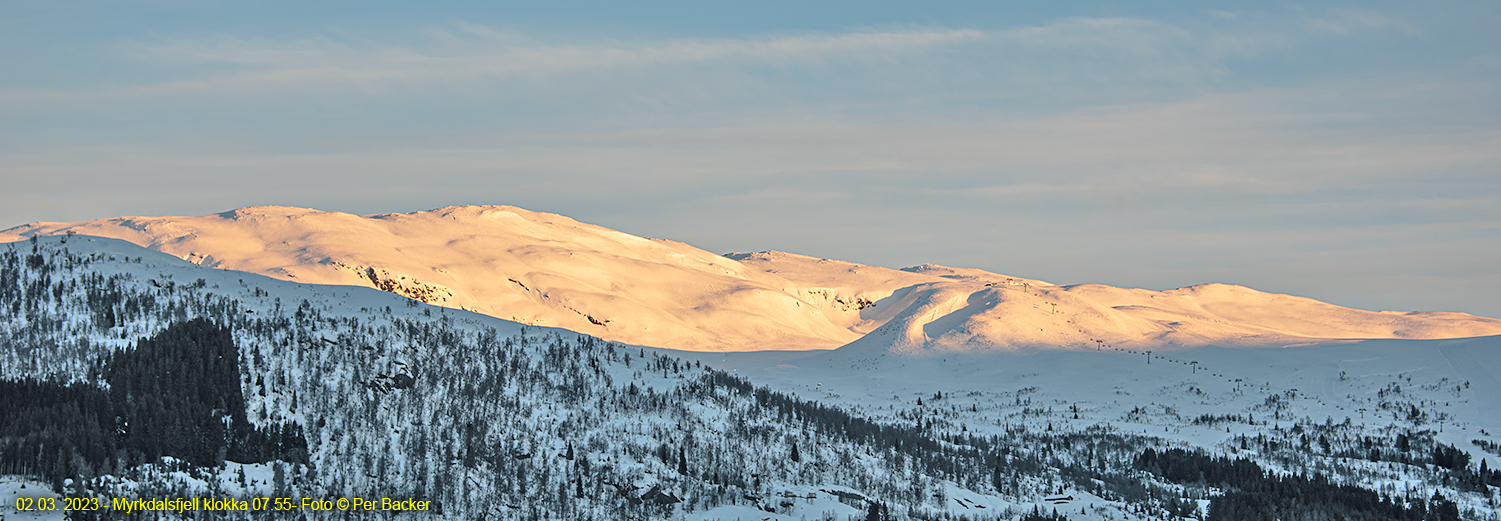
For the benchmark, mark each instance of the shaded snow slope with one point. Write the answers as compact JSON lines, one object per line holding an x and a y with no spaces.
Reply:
{"x":1377,"y":384}
{"x":547,"y":269}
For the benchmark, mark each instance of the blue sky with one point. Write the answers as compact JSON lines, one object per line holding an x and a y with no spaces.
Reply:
{"x":1349,"y":152}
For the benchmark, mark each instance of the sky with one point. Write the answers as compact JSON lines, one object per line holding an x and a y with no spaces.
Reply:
{"x":1344,"y":151}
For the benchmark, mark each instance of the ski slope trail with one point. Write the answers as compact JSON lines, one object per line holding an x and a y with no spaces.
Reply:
{"x":1478,"y":362}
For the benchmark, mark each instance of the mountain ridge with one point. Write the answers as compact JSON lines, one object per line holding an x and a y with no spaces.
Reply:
{"x":547,"y":269}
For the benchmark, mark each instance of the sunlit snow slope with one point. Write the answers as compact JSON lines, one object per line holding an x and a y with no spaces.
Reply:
{"x":547,"y":269}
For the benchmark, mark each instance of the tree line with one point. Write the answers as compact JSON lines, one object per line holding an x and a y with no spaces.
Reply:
{"x":1253,"y":494}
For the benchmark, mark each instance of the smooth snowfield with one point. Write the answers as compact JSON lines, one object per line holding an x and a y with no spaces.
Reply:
{"x":1455,"y":384}
{"x":547,"y":269}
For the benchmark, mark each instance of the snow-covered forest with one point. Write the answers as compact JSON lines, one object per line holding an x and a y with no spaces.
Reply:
{"x":269,"y":388}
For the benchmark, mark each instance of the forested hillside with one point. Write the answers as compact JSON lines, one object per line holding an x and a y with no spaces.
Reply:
{"x":129,"y":374}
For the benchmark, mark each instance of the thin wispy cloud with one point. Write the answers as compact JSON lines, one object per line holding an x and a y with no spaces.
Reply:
{"x":512,"y":53}
{"x":1026,"y":57}
{"x":1345,"y":21}
{"x":472,"y":52}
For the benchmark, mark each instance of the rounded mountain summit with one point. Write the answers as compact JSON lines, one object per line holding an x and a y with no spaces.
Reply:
{"x":550,"y":270}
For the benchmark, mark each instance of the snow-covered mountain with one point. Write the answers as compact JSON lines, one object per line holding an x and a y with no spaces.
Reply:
{"x":375,"y":395}
{"x":547,"y":269}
